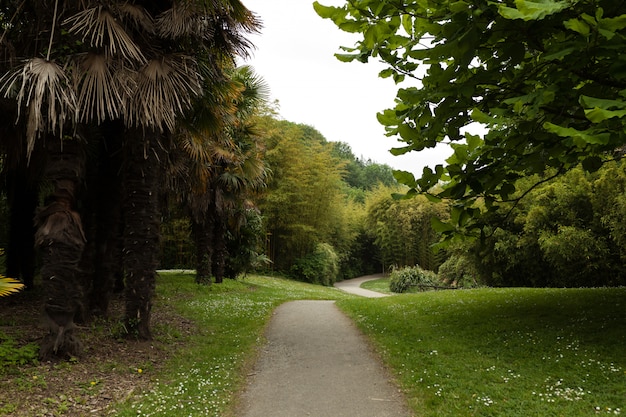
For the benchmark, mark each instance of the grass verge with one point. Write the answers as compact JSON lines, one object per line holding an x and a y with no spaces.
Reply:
{"x":204,"y":376}
{"x":378,"y":285}
{"x":503,"y":352}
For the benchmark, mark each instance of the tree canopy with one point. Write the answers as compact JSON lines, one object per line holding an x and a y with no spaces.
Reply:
{"x":545,"y":79}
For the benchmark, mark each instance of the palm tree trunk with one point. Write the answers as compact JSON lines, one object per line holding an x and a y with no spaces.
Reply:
{"x":202,"y":233}
{"x":141,"y":229}
{"x":219,"y":248}
{"x":103,"y":226}
{"x":61,"y":241}
{"x":22,"y":197}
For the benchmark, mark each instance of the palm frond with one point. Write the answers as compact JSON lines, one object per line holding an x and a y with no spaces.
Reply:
{"x":100,"y":92}
{"x":137,"y":15}
{"x":42,"y":87}
{"x":102,"y":29}
{"x":183,"y":19}
{"x":195,"y":147}
{"x":165,"y":89}
{"x":9,"y":286}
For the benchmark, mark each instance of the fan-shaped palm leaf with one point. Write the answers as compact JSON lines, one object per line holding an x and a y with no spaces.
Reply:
{"x":100,"y":92}
{"x":41,"y":86}
{"x":101,"y":27}
{"x":183,"y":19}
{"x":9,"y":286}
{"x":137,"y":15}
{"x":165,"y":89}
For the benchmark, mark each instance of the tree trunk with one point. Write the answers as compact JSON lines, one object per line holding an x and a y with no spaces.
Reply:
{"x":202,"y":233}
{"x":61,"y":241}
{"x":141,"y":229}
{"x":101,"y":260}
{"x":22,"y":196}
{"x":219,"y":246}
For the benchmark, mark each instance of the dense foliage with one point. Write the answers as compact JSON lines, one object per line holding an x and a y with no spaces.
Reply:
{"x":403,"y":279}
{"x":566,"y":233}
{"x":545,"y":79}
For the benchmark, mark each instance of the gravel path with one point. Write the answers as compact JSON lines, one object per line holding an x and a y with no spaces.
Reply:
{"x":316,"y":363}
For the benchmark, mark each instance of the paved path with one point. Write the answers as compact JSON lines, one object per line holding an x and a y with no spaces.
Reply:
{"x":316,"y":363}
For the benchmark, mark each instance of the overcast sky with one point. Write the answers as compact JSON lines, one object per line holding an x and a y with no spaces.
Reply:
{"x":295,"y":55}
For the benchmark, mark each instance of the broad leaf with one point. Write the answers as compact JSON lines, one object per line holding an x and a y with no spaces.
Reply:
{"x":532,"y":10}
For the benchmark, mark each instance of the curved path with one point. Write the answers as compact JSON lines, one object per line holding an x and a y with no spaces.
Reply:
{"x":316,"y":363}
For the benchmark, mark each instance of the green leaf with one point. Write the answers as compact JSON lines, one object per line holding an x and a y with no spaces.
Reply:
{"x":406,"y":178}
{"x":598,"y":115}
{"x":480,"y":117}
{"x":577,"y":26}
{"x":387,"y":118}
{"x":459,"y":6}
{"x":408,"y":133}
{"x":532,"y":10}
{"x":400,"y":151}
{"x":591,"y":102}
{"x":473,"y":141}
{"x":613,"y":24}
{"x":347,"y":57}
{"x":583,"y":137}
{"x":350,"y":26}
{"x":386,"y":73}
{"x":592,"y":163}
{"x":441,"y":227}
{"x":325,"y":12}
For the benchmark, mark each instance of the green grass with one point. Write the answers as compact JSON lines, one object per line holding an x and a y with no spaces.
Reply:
{"x":204,"y":377}
{"x":503,"y":352}
{"x":378,"y":285}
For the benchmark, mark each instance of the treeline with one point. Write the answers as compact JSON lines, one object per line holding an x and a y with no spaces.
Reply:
{"x":327,"y":215}
{"x":324,"y":215}
{"x":566,"y":232}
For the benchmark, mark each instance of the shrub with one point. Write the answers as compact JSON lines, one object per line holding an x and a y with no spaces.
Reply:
{"x":319,"y":267}
{"x":412,"y":276}
{"x":459,"y":271}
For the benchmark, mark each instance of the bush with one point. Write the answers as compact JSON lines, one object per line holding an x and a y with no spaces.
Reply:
{"x":319,"y":267}
{"x":412,"y":276}
{"x":459,"y":271}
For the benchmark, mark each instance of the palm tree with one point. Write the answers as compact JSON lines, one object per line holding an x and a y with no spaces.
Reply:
{"x":224,"y":158}
{"x":141,"y":63}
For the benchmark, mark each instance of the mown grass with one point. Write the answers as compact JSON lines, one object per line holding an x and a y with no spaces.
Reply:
{"x":503,"y":352}
{"x":379,"y":285}
{"x":203,"y":378}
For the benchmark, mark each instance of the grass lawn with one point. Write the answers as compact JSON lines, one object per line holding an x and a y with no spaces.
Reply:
{"x":503,"y":352}
{"x":378,"y":285}
{"x":483,"y":352}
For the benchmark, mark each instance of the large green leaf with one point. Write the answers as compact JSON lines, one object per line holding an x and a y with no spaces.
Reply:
{"x":532,"y":10}
{"x":598,"y":115}
{"x":591,"y":102}
{"x":580,"y":137}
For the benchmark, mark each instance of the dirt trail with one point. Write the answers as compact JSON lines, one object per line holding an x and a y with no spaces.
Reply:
{"x":316,"y":363}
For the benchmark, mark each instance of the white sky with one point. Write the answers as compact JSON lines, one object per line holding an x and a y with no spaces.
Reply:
{"x":295,"y":55}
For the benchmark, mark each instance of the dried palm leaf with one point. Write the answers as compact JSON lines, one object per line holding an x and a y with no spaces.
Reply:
{"x":137,"y":15}
{"x":42,"y":87}
{"x":103,"y":30}
{"x":165,"y":89}
{"x":100,"y":92}
{"x":183,"y":19}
